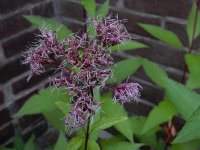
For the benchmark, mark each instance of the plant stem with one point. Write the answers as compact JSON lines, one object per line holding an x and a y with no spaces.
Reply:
{"x":91,"y":90}
{"x":191,"y":44}
{"x":88,"y":125}
{"x":87,"y":133}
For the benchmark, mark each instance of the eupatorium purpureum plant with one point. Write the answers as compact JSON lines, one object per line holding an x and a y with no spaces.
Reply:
{"x":82,"y":65}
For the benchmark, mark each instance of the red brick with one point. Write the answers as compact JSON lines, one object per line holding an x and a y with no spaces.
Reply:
{"x":6,"y":133}
{"x":45,"y":10}
{"x":22,"y":84}
{"x":48,"y":139}
{"x":5,"y":116}
{"x":19,"y":103}
{"x":1,"y":97}
{"x":175,"y":8}
{"x":12,"y":25}
{"x":11,"y":70}
{"x":29,"y":120}
{"x":112,"y":2}
{"x":18,"y":45}
{"x":8,"y":6}
{"x":36,"y":130}
{"x":74,"y":27}
{"x":70,"y":9}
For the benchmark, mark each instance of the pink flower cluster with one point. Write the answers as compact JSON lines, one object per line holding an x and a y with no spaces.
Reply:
{"x":111,"y":31}
{"x":127,"y":92}
{"x":83,"y":66}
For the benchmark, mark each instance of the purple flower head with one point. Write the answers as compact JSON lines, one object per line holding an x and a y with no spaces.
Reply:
{"x":95,"y":55}
{"x":84,"y":107}
{"x":93,"y":77}
{"x":83,"y":65}
{"x":44,"y":52}
{"x":127,"y":92}
{"x":76,"y":45}
{"x":111,"y":31}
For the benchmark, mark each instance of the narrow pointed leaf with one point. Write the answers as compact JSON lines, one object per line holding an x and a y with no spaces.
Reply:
{"x":75,"y":143}
{"x":90,"y":7}
{"x":56,"y":119}
{"x":103,"y":9}
{"x":43,"y":102}
{"x":61,"y":142}
{"x":162,"y":34}
{"x":123,"y":69}
{"x":193,"y":63}
{"x":156,"y":73}
{"x":92,"y":145}
{"x":159,"y":114}
{"x":106,"y":122}
{"x":38,"y":21}
{"x":117,"y":110}
{"x":191,"y":21}
{"x":64,"y":107}
{"x":130,"y":45}
{"x":184,"y":99}
{"x":190,"y":130}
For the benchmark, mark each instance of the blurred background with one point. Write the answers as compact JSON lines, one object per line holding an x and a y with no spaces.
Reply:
{"x":16,"y":33}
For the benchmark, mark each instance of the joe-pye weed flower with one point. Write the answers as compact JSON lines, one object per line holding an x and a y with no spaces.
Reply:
{"x":91,"y":61}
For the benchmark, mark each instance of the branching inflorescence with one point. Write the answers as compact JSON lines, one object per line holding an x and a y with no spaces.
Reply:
{"x":83,"y":66}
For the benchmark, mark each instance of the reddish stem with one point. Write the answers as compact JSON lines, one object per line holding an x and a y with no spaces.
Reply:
{"x":191,"y":44}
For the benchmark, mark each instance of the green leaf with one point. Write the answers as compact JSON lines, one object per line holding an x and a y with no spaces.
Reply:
{"x":43,"y":102}
{"x":30,"y":144}
{"x":124,"y":146}
{"x":92,"y":145}
{"x":117,"y":110}
{"x":125,"y":129}
{"x":194,"y":145}
{"x":111,"y":141}
{"x":96,"y":92}
{"x":64,"y":107}
{"x":193,"y":63}
{"x":106,"y":122}
{"x":123,"y":69}
{"x":38,"y":21}
{"x":90,"y":6}
{"x":157,"y":74}
{"x":61,"y":142}
{"x":184,"y":99}
{"x":130,"y":45}
{"x":137,"y":123}
{"x":190,"y":130}
{"x":159,"y":114}
{"x":191,"y":21}
{"x":103,"y":9}
{"x":148,"y":138}
{"x":18,"y":142}
{"x":162,"y":34}
{"x":75,"y":143}
{"x":55,"y":118}
{"x":91,"y":31}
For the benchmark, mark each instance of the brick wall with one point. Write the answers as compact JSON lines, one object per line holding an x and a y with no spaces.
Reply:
{"x":16,"y":33}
